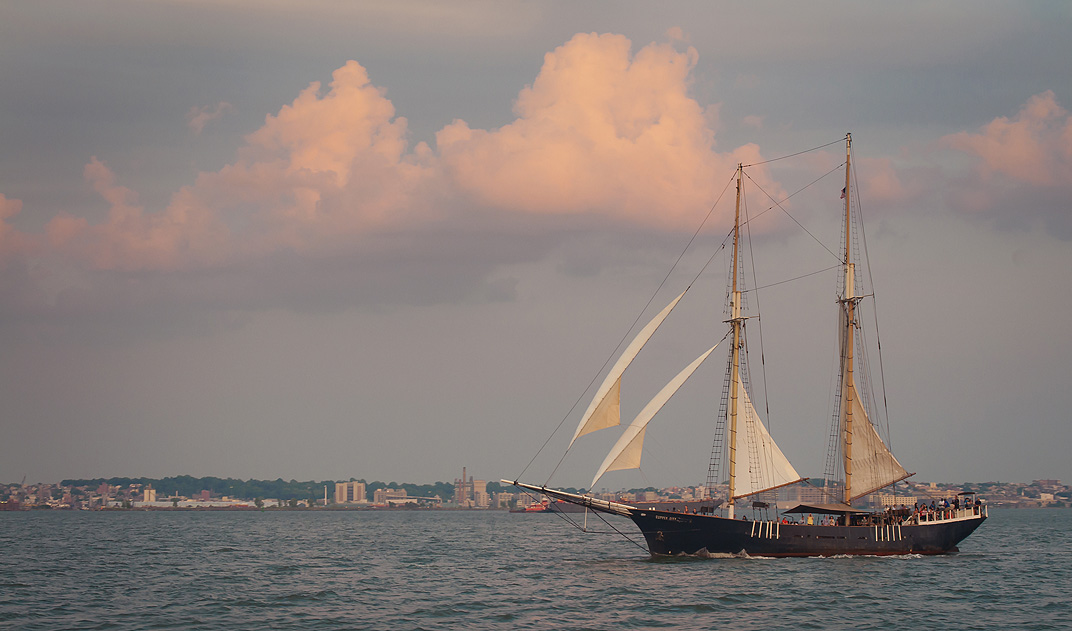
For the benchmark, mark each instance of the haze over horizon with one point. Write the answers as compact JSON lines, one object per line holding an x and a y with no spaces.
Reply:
{"x":386,"y":240}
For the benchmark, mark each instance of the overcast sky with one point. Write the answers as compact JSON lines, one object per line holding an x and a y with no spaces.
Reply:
{"x":386,"y":240}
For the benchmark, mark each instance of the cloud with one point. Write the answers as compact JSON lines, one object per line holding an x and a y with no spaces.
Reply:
{"x":13,"y":244}
{"x":1034,"y":147}
{"x":753,"y":121}
{"x":198,"y":117}
{"x":602,"y":138}
{"x":132,"y":239}
{"x":327,"y":167}
{"x":601,"y":132}
{"x":1022,"y":167}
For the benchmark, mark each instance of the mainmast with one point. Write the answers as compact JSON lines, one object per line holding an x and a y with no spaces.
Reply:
{"x":847,"y":334}
{"x":735,"y":320}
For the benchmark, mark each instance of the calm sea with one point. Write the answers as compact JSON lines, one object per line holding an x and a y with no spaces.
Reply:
{"x":474,"y":570}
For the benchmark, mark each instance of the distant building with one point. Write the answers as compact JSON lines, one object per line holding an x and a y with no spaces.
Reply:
{"x":471,"y":493}
{"x":480,"y":494}
{"x":463,"y":490}
{"x":384,"y":497}
{"x":888,"y":500}
{"x":350,"y":492}
{"x":807,"y":494}
{"x":503,"y":500}
{"x":149,"y":495}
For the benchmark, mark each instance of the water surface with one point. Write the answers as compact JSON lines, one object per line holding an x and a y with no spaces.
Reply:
{"x":481,"y":570}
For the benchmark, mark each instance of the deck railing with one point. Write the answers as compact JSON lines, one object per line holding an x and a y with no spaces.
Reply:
{"x":950,"y":514}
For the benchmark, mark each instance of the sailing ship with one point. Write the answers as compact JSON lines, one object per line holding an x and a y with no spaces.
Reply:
{"x":866,"y":463}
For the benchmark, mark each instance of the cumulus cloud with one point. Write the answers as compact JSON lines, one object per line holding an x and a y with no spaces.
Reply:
{"x":13,"y":243}
{"x":198,"y":117}
{"x":329,"y":165}
{"x":1035,"y":146}
{"x":131,"y":238}
{"x":599,"y":131}
{"x":601,"y":134}
{"x":1022,"y":168}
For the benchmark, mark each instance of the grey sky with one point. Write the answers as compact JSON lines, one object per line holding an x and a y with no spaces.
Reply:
{"x":450,"y":325}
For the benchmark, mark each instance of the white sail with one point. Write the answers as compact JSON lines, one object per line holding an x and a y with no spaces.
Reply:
{"x":626,"y":452}
{"x":761,"y":465}
{"x":604,"y":410}
{"x":873,"y":466}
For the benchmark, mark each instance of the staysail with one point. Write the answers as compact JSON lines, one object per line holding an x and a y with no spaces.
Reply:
{"x":626,"y":452}
{"x":604,"y":410}
{"x":761,"y":465}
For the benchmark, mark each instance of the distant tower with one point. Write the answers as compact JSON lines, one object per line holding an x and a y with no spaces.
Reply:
{"x":463,"y":489}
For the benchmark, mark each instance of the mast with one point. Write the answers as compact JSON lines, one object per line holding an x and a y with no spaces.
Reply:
{"x":849,"y":302}
{"x":735,"y":320}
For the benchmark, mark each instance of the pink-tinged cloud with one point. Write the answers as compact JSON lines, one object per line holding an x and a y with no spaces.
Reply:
{"x":881,"y":183}
{"x":1035,"y":146}
{"x":327,"y":133}
{"x":133,"y":239}
{"x":198,"y":117}
{"x":327,"y":166}
{"x":13,"y":243}
{"x":1022,"y":173}
{"x":599,"y":131}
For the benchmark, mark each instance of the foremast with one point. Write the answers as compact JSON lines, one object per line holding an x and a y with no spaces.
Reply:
{"x":848,"y":303}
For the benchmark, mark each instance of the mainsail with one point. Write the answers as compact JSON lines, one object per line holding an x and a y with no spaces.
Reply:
{"x":757,"y":453}
{"x":873,"y":466}
{"x":626,"y":452}
{"x":868,"y":463}
{"x":604,"y":410}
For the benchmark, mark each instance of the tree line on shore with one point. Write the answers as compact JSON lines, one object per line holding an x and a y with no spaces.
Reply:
{"x":189,"y":486}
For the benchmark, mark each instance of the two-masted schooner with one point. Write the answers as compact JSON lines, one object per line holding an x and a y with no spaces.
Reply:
{"x":758,"y":468}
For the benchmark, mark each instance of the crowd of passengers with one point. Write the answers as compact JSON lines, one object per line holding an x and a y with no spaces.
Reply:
{"x":938,"y":509}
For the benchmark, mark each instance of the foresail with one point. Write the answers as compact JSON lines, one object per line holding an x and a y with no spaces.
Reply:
{"x":626,"y":452}
{"x":604,"y":410}
{"x":873,"y":466}
{"x":761,"y":465}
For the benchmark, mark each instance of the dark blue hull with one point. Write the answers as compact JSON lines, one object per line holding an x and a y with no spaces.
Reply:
{"x":669,"y":533}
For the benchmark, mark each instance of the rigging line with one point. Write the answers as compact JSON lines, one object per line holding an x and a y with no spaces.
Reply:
{"x":561,"y":515}
{"x":800,"y":190}
{"x":878,"y":337}
{"x":790,"y":280}
{"x":822,"y":489}
{"x":626,"y":336}
{"x":654,"y":455}
{"x":834,"y":142}
{"x":755,"y":282}
{"x":572,"y":522}
{"x":615,"y":529}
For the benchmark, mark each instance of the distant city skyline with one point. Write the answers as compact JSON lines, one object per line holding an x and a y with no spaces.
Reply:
{"x":300,"y":240}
